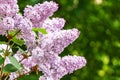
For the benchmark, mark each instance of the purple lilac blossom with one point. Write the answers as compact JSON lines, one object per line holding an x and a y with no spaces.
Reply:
{"x":11,"y":2}
{"x":56,"y":42}
{"x":46,"y":56}
{"x":8,"y":8}
{"x":29,"y":62}
{"x":44,"y":51}
{"x":8,"y":24}
{"x":63,"y":66}
{"x":53,"y":24}
{"x":40,"y":12}
{"x":25,"y":26}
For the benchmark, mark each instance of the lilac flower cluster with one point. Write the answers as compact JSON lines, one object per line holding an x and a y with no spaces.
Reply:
{"x":8,"y":8}
{"x":40,"y":12}
{"x":43,"y":52}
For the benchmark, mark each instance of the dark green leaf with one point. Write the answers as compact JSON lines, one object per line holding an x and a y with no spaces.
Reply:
{"x":31,"y":76}
{"x":1,"y":60}
{"x":3,"y":38}
{"x":10,"y":68}
{"x":21,"y":49}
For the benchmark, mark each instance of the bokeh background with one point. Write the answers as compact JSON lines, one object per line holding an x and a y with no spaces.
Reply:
{"x":99,"y":41}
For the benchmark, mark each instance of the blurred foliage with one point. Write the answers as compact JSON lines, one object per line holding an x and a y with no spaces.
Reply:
{"x":99,"y":42}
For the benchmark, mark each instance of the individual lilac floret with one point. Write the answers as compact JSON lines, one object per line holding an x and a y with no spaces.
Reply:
{"x":54,"y":43}
{"x":8,"y":8}
{"x":40,"y":12}
{"x":53,"y":24}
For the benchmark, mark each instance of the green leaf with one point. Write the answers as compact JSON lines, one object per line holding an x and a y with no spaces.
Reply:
{"x":15,"y":62}
{"x":10,"y":68}
{"x":2,"y":60}
{"x":12,"y":32}
{"x":19,"y":42}
{"x":23,"y":51}
{"x":42,"y":30}
{"x":2,"y":50}
{"x":3,"y":42}
{"x":31,"y":76}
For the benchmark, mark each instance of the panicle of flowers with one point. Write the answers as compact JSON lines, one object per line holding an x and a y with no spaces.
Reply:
{"x":40,"y":12}
{"x":8,"y":8}
{"x":56,"y":42}
{"x":63,"y":66}
{"x":43,"y":47}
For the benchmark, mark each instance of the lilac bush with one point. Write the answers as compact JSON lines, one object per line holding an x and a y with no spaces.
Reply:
{"x":44,"y":38}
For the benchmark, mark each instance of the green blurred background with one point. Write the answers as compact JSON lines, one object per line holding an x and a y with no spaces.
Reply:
{"x":99,"y":41}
